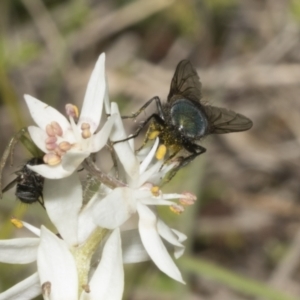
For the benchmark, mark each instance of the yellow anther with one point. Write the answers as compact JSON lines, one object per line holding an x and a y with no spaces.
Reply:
{"x":58,"y":152}
{"x":72,"y":110}
{"x":51,"y":159}
{"x":176,"y":209}
{"x":86,"y":133}
{"x":65,"y":146}
{"x":16,"y":222}
{"x":85,"y":126}
{"x":187,"y":199}
{"x":161,"y":152}
{"x":155,"y":191}
{"x":154,"y":134}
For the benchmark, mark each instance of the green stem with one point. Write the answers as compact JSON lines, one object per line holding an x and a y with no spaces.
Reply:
{"x":83,"y":255}
{"x":235,"y":281}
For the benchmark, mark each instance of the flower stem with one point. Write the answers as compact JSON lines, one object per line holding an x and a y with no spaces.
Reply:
{"x":83,"y":255}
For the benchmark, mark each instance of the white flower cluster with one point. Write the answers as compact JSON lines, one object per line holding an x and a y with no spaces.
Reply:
{"x":119,"y":220}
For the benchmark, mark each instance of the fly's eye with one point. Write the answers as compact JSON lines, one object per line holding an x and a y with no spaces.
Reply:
{"x":188,"y":118}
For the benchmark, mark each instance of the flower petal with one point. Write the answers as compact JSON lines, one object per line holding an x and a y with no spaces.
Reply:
{"x":29,"y":288}
{"x":51,"y":172}
{"x":147,"y":160}
{"x":63,"y":201}
{"x":10,"y":250}
{"x":169,"y":235}
{"x":153,"y":173}
{"x":101,"y":137}
{"x":70,"y":162}
{"x":115,"y":208}
{"x":38,"y":136}
{"x":153,"y":243}
{"x":86,"y":223}
{"x":93,"y":100}
{"x":133,"y":248}
{"x":107,"y":282}
{"x":57,"y":266}
{"x":72,"y":159}
{"x":43,"y":114}
{"x":123,"y":149}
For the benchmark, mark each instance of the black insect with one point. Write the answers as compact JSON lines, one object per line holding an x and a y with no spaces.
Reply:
{"x":29,"y":184}
{"x":183,"y":119}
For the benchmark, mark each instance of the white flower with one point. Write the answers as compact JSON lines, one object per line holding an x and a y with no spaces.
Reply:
{"x":117,"y":224}
{"x":65,"y":142}
{"x":132,"y":207}
{"x":61,"y":261}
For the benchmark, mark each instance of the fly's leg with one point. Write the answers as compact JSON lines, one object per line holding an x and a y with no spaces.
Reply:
{"x":158,"y":106}
{"x":9,"y":151}
{"x":154,"y":117}
{"x":196,"y":150}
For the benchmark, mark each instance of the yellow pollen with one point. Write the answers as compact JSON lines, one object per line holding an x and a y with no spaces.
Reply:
{"x":16,"y":222}
{"x":176,"y":209}
{"x":65,"y":146}
{"x":52,"y":159}
{"x":86,"y":133}
{"x":72,"y":110}
{"x":155,"y":191}
{"x":161,"y":152}
{"x":154,"y":134}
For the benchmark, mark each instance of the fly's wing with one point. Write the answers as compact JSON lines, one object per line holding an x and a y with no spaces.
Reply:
{"x":222,"y":120}
{"x":185,"y":82}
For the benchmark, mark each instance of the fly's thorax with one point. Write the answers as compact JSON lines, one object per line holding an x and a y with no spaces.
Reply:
{"x":188,"y":117}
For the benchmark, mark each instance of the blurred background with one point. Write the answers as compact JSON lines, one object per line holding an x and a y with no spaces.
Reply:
{"x":244,"y":231}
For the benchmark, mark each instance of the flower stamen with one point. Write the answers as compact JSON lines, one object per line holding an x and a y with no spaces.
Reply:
{"x":155,"y":191}
{"x":86,"y":132}
{"x":52,"y":159}
{"x":56,"y":128}
{"x":16,"y":222}
{"x":72,"y":110}
{"x":176,"y":209}
{"x":187,"y":199}
{"x":46,"y":289}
